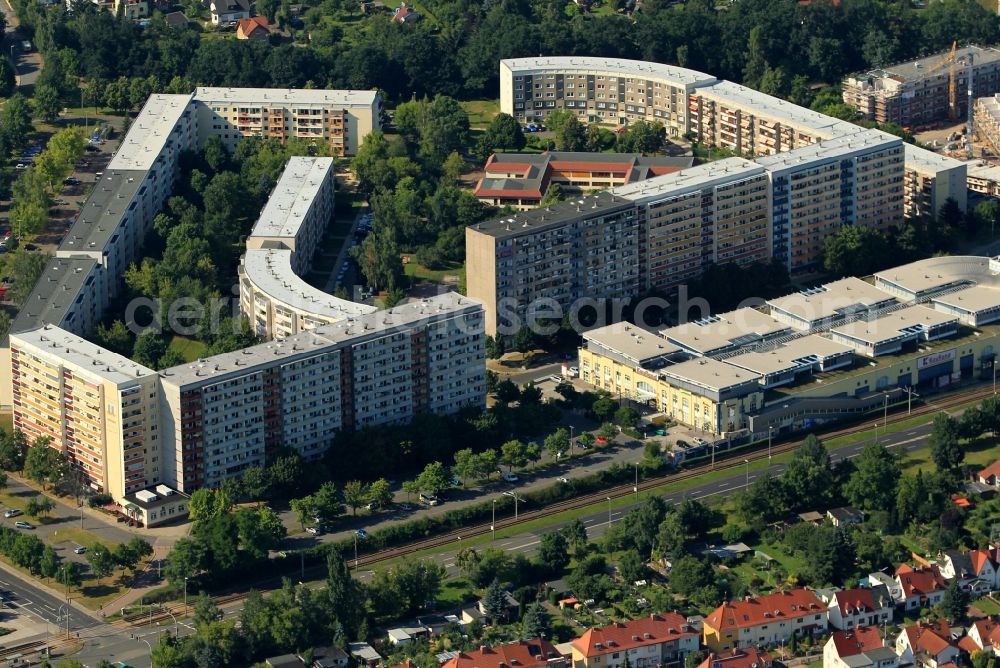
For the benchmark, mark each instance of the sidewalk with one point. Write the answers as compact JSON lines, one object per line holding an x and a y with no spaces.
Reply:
{"x":144,"y":583}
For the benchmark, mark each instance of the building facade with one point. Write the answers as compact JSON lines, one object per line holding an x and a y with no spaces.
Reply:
{"x":656,"y":640}
{"x":764,"y":620}
{"x":931,"y":179}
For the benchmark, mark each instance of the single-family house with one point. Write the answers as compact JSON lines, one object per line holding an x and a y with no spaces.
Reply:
{"x":227,"y":12}
{"x":958,"y":565}
{"x":748,"y":657}
{"x":920,"y":587}
{"x":764,"y":620}
{"x":862,"y":606}
{"x":436,"y":624}
{"x":538,"y":653}
{"x":845,"y":516}
{"x":405,"y":14}
{"x":176,"y":20}
{"x":133,"y":10}
{"x":926,"y":645}
{"x":858,"y":648}
{"x":887,"y":581}
{"x":983,"y":634}
{"x":329,"y":657}
{"x":657,"y":640}
{"x":284,"y":661}
{"x":404,"y":635}
{"x":991,"y":474}
{"x":364,"y":654}
{"x":255,"y":28}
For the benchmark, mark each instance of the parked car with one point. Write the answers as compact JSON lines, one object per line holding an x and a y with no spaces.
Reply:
{"x":509,"y":476}
{"x":21,"y":165}
{"x":13,"y":512}
{"x":313,"y":530}
{"x":429,"y":499}
{"x":374,"y":505}
{"x":405,"y":506}
{"x":71,"y":181}
{"x":80,"y":549}
{"x":30,"y":247}
{"x":23,"y":525}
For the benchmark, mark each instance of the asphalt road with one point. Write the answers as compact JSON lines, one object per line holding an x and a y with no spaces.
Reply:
{"x":27,"y":65}
{"x":39,"y":604}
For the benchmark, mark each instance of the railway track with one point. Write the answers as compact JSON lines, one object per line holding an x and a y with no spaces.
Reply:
{"x":723,"y":462}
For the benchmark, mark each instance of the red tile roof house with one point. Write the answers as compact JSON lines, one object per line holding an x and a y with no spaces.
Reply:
{"x":738,"y":658}
{"x":656,"y":640}
{"x":763,"y":620}
{"x":991,"y":474}
{"x":864,"y":606}
{"x":521,"y":654}
{"x":976,"y":570}
{"x":927,"y":645}
{"x":255,"y":27}
{"x":858,"y":648}
{"x":979,"y":635}
{"x":921,"y":587}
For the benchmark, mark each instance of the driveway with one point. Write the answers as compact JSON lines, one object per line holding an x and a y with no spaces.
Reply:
{"x":27,"y":64}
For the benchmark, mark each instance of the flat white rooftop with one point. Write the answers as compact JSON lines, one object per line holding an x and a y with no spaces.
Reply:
{"x":844,"y":296}
{"x":688,"y":180}
{"x":937,"y":273}
{"x":734,"y":328}
{"x":760,"y":104}
{"x":149,"y":132}
{"x":800,"y":352}
{"x":709,"y":373}
{"x":928,"y":162}
{"x":293,"y":197}
{"x":631,"y":342}
{"x":982,"y":170}
{"x":846,"y":146}
{"x":973,"y":299}
{"x":351,"y":331}
{"x":612,"y":66}
{"x":83,"y":356}
{"x":894,"y":325}
{"x":270,"y":270}
{"x":287,"y":96}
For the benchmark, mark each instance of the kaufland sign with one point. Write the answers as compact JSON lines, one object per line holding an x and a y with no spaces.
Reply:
{"x":937,"y":358}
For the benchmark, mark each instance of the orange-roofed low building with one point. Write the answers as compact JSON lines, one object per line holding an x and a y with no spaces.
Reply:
{"x":927,"y":645}
{"x":981,"y":633}
{"x":656,"y":640}
{"x":764,"y":620}
{"x":858,"y":648}
{"x":748,"y":657}
{"x":864,"y":606}
{"x":523,"y":654}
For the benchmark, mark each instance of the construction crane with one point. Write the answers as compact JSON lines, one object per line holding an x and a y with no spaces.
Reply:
{"x":950,"y":60}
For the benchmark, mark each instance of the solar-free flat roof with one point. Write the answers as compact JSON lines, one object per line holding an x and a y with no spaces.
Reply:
{"x":287,"y":96}
{"x":725,"y":330}
{"x":102,"y":213}
{"x":552,"y":216}
{"x":54,"y":292}
{"x":790,"y":355}
{"x":927,"y":162}
{"x":843,"y":296}
{"x":938,"y":273}
{"x":679,"y":76}
{"x":322,"y":339}
{"x":914,"y":70}
{"x":688,"y":180}
{"x":149,"y":132}
{"x":709,"y":373}
{"x":270,"y":270}
{"x":631,"y":341}
{"x":293,"y":197}
{"x":85,"y":356}
{"x":761,"y":104}
{"x":982,"y":170}
{"x":841,"y":147}
{"x":891,"y":326}
{"x":972,"y":299}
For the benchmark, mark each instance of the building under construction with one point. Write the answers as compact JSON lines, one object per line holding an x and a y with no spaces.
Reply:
{"x":926,"y":90}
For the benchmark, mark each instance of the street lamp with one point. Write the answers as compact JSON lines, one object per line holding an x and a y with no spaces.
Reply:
{"x":885,"y":409}
{"x":747,"y":462}
{"x":176,"y":630}
{"x":185,"y":595}
{"x":60,"y":613}
{"x":636,"y":487}
{"x":609,"y":513}
{"x":493,"y":523}
{"x":513,"y":494}
{"x":140,"y":638}
{"x":572,"y":428}
{"x":769,"y":430}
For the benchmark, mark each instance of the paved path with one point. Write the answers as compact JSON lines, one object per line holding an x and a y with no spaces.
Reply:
{"x":27,"y":65}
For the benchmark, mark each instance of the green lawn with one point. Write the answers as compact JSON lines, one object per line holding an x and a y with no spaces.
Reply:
{"x":189,"y":349}
{"x":987,"y":605}
{"x":414,"y":270}
{"x":481,"y":112}
{"x":7,"y":422}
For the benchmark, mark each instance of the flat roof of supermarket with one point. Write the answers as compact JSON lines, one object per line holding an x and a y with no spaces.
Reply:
{"x":631,"y":341}
{"x":270,"y":270}
{"x":258,"y":96}
{"x":54,"y":292}
{"x":937,"y":273}
{"x":735,"y":328}
{"x":891,"y":326}
{"x":709,"y":373}
{"x":293,"y":197}
{"x":790,"y":355}
{"x":615,"y":66}
{"x":86,"y":356}
{"x":843,"y":296}
{"x":149,"y":132}
{"x":972,"y":299}
{"x":350,"y":331}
